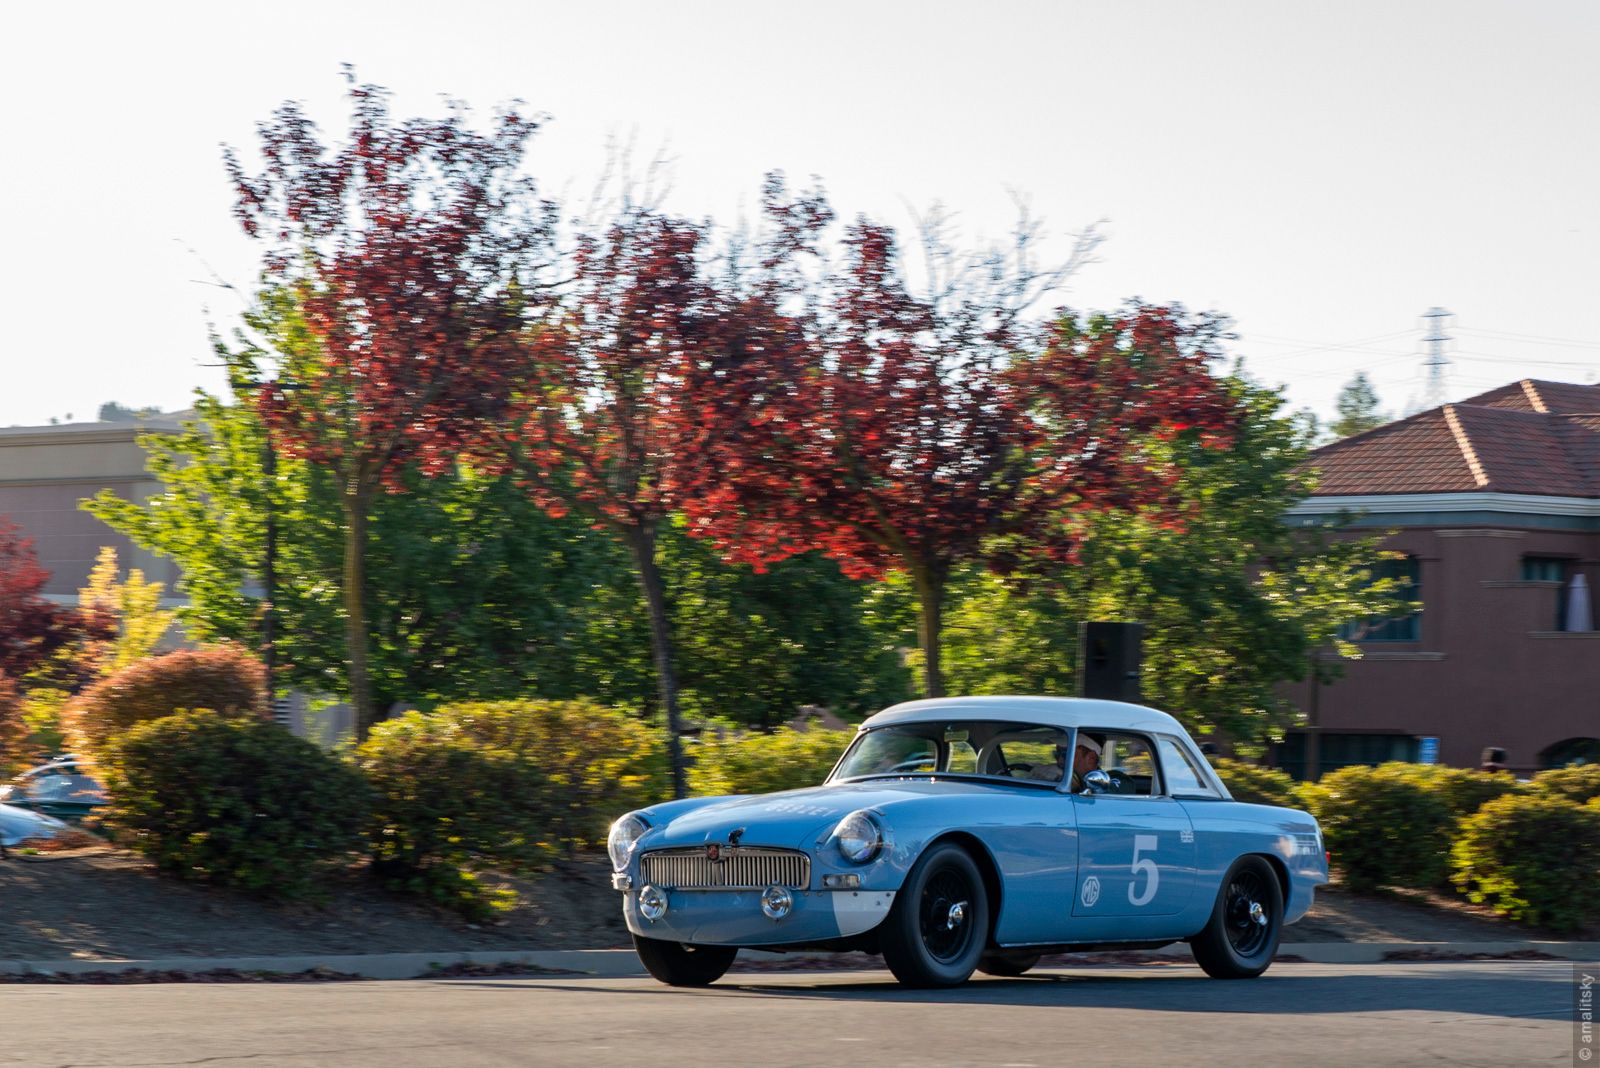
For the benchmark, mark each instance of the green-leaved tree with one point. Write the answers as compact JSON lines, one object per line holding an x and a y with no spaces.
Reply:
{"x":1235,"y":600}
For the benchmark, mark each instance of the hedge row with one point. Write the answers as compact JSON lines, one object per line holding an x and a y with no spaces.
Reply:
{"x":437,"y":798}
{"x":1523,"y":848}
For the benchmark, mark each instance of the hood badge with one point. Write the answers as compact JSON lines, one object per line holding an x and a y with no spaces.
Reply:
{"x":716,"y":853}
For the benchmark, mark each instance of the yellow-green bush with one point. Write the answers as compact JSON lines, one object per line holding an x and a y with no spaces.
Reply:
{"x":447,"y":802}
{"x":1462,"y":790}
{"x":1534,"y":858}
{"x":238,"y":802}
{"x":13,"y":730}
{"x":596,"y":762}
{"x":1383,"y":826}
{"x":1577,"y":784}
{"x":786,"y":759}
{"x":1257,"y":785}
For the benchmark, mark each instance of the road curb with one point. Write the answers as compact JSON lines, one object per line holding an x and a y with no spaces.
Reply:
{"x":623,"y":963}
{"x":597,"y":963}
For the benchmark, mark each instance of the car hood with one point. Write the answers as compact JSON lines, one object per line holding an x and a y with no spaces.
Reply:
{"x":796,"y":819}
{"x":18,"y":824}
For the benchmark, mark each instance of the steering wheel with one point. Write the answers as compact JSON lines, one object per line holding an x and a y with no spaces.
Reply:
{"x":909,"y":765}
{"x":1009,"y":769}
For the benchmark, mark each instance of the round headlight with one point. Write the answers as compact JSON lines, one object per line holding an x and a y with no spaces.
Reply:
{"x":859,"y":837}
{"x":624,"y":833}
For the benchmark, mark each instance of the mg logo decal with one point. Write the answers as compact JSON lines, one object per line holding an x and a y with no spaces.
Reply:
{"x":1091,"y":892}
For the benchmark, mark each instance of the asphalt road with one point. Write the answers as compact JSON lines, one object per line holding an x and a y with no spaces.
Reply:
{"x":1297,"y":1015}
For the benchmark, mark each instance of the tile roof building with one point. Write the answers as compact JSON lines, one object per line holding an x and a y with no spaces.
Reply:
{"x":1496,"y":503}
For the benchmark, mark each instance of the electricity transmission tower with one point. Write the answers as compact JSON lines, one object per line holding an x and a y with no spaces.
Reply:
{"x":1437,"y":361}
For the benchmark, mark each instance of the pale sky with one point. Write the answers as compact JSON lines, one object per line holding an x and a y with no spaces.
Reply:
{"x":1323,"y":173}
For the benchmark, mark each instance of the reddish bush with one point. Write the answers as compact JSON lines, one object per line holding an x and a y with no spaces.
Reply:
{"x":224,"y":679}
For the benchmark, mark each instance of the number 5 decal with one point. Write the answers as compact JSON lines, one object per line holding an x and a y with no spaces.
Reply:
{"x":1144,"y":843}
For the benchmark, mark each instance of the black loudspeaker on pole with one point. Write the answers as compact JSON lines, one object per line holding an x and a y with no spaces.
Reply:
{"x":1110,"y":656}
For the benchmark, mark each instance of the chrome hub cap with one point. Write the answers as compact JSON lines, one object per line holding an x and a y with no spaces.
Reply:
{"x":957,"y":916}
{"x":1258,"y":914}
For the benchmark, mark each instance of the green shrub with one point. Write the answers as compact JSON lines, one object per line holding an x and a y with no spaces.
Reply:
{"x":42,"y":713}
{"x":1256,"y":785}
{"x":1383,"y":827}
{"x":592,"y":763}
{"x":786,"y":759}
{"x":238,"y":802}
{"x":1533,"y":858}
{"x":597,"y":762}
{"x":1577,"y":784}
{"x":1462,"y":790}
{"x":13,"y":729}
{"x":501,"y":784}
{"x":224,"y":679}
{"x":445,"y":803}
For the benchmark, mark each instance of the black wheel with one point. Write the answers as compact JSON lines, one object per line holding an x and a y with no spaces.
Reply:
{"x":939,"y":926}
{"x":1245,"y":925}
{"x":677,"y":964}
{"x":1007,"y":965}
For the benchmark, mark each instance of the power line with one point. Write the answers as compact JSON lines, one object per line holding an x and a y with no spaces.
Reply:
{"x":1316,"y":346}
{"x":1533,"y":339}
{"x":1485,"y":357}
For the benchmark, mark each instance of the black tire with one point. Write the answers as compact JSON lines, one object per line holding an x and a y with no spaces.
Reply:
{"x":677,"y":964}
{"x":1007,"y":965}
{"x":1246,"y":922}
{"x":927,"y":940}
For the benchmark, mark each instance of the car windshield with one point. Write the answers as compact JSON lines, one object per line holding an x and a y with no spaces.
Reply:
{"x":57,"y":782}
{"x":1015,"y":751}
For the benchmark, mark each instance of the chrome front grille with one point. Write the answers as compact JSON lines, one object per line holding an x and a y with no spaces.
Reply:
{"x":737,"y":868}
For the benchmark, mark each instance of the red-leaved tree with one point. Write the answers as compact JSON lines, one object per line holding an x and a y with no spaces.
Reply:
{"x":399,"y":266}
{"x":601,"y":418}
{"x":34,"y":631}
{"x":917,"y":433}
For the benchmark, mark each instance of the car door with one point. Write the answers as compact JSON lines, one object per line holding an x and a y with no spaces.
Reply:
{"x":1032,"y":836}
{"x":1136,"y":849}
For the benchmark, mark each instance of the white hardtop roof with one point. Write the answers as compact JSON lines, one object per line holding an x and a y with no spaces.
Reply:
{"x":1050,"y":711}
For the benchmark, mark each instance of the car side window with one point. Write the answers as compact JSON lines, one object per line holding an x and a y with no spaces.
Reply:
{"x":1128,"y":760}
{"x":963,"y":759}
{"x":1184,"y":777}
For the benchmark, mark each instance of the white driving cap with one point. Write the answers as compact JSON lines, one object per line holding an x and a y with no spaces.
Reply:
{"x":1089,"y":743}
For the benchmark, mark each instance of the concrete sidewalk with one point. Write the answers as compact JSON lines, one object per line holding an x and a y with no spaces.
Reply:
{"x":619,"y":963}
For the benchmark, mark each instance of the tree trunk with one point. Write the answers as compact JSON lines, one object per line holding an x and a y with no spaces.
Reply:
{"x":930,"y":583}
{"x":642,"y":541}
{"x":355,"y":611}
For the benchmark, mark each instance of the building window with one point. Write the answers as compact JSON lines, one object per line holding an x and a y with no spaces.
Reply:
{"x":1550,"y":569}
{"x":1544,"y":569}
{"x":1406,"y":628}
{"x":1344,"y":751}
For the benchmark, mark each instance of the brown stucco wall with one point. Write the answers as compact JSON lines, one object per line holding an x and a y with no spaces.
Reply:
{"x":1490,"y":668}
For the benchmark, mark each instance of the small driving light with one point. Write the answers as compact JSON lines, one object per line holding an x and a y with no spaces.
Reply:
{"x":652,"y":903}
{"x":842,"y":882}
{"x":776,"y":902}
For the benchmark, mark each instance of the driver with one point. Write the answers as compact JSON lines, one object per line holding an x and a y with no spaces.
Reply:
{"x":1085,"y":759}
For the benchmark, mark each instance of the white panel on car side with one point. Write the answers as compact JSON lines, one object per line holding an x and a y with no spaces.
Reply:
{"x":858,"y":911}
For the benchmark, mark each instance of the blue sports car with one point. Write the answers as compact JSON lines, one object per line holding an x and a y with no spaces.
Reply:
{"x":974,"y":833}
